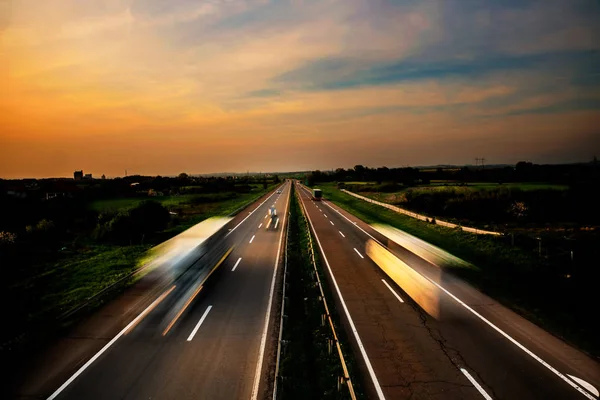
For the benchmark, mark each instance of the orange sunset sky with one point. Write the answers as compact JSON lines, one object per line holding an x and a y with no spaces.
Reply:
{"x":162,"y":87}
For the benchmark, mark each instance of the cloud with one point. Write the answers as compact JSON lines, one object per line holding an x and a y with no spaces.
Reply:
{"x":415,"y":75}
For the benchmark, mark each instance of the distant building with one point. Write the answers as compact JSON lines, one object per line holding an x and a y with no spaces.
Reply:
{"x":78,"y":175}
{"x":87,"y":176}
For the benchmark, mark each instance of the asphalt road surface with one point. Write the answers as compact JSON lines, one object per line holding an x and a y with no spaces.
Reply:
{"x":475,"y":349}
{"x":195,"y":342}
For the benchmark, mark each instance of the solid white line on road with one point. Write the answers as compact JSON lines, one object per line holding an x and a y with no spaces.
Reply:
{"x":236,"y":264}
{"x":341,"y":233}
{"x":586,"y":385}
{"x":500,"y":331}
{"x":393,"y":291}
{"x":189,"y":339}
{"x":363,"y":352}
{"x":519,"y":345}
{"x":253,"y":236}
{"x":260,"y":225}
{"x":331,"y":222}
{"x":263,"y":339}
{"x":357,"y":252}
{"x":476,"y":384}
{"x":98,"y":354}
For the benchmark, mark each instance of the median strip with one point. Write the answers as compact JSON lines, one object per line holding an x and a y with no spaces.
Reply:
{"x":313,"y":359}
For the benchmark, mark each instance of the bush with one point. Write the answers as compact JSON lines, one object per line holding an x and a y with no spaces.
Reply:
{"x":130,"y":226}
{"x":7,"y":238}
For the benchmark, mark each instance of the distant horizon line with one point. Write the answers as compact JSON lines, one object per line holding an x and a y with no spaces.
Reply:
{"x":254,"y":173}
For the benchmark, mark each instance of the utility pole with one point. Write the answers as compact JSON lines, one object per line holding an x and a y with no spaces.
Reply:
{"x":479,"y":160}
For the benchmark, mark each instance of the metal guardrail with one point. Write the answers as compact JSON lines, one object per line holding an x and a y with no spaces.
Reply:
{"x":422,"y":217}
{"x":346,"y":377}
{"x":280,"y":341}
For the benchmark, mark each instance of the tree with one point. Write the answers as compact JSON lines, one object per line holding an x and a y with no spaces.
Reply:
{"x":7,"y":238}
{"x":183,"y":176}
{"x":45,"y":225}
{"x":149,"y":216}
{"x":310,"y":179}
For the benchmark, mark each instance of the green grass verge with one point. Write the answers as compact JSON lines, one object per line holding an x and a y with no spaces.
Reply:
{"x":308,"y":369}
{"x":123,"y":204}
{"x":509,"y":274}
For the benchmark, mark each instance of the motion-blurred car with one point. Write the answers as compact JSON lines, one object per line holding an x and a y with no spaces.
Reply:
{"x":274,"y":220}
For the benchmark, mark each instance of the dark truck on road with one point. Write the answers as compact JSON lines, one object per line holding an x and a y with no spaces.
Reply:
{"x":317,"y":194}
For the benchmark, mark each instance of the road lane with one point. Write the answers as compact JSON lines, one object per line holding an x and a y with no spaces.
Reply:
{"x":503,"y":368}
{"x":407,"y":361}
{"x":220,"y":359}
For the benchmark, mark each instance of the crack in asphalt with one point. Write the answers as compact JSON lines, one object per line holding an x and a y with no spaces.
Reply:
{"x":455,"y":358}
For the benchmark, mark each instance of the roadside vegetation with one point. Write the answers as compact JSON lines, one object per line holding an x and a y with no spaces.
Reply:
{"x":543,"y":267}
{"x":310,"y":366}
{"x":58,"y":252}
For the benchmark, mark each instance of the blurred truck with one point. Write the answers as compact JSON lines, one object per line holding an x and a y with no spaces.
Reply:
{"x":317,"y":194}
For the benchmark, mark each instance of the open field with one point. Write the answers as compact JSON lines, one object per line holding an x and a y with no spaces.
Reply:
{"x":441,"y":185}
{"x":116,"y":205}
{"x":516,"y":277}
{"x":509,"y":185}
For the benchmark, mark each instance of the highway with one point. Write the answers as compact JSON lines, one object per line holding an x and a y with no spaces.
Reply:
{"x":192,"y":341}
{"x":474,"y":349}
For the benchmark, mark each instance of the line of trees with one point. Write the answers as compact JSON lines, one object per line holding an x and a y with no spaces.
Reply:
{"x":522,"y":172}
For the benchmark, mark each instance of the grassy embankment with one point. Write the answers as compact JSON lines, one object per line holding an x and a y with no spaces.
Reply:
{"x":507,"y":273}
{"x":308,"y":368}
{"x":396,"y":197}
{"x":84,"y":269}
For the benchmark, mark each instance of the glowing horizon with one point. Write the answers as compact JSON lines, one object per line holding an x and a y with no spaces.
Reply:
{"x":162,"y":87}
